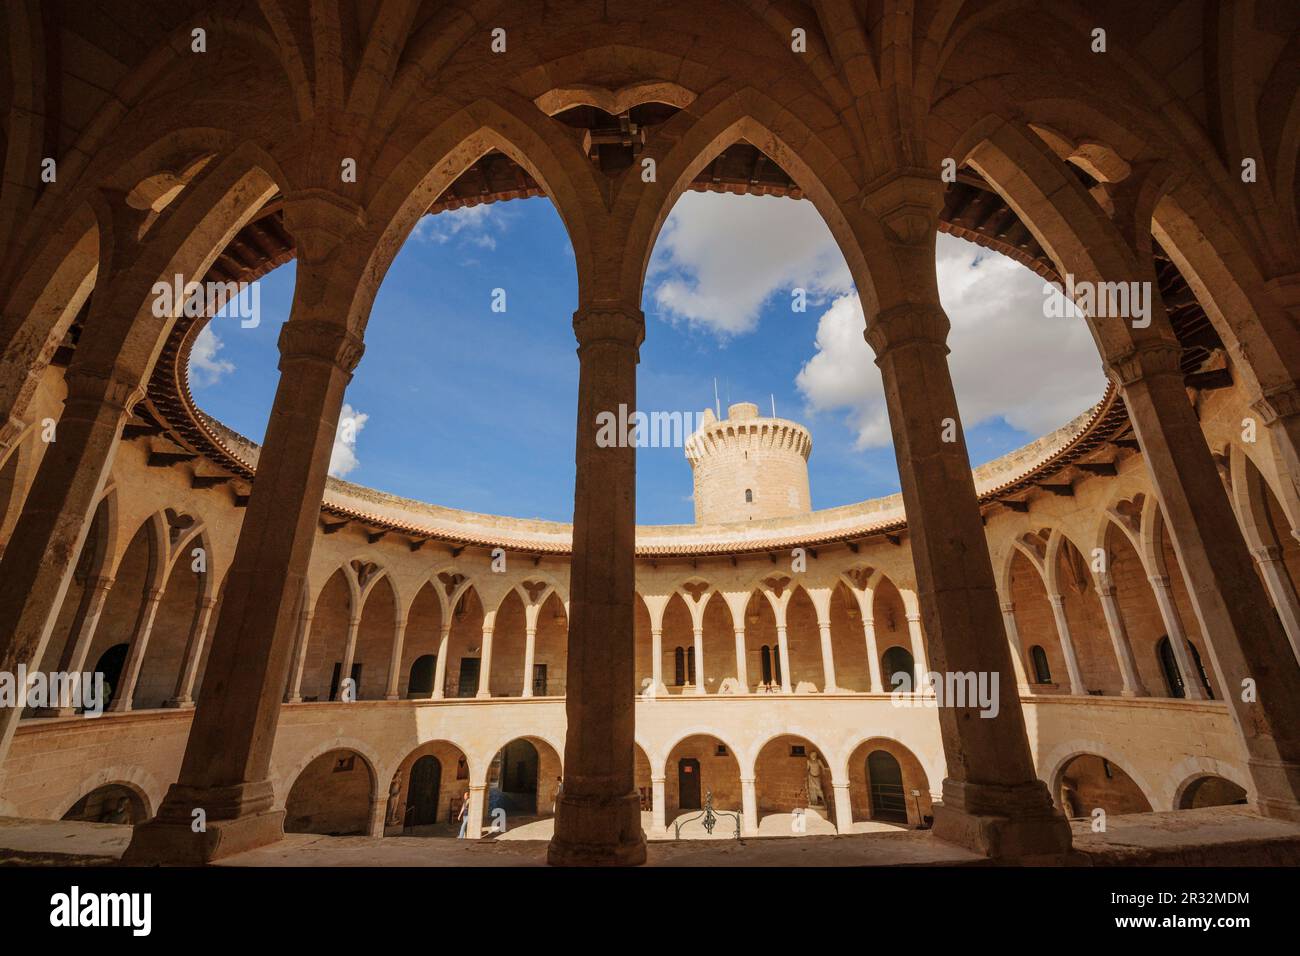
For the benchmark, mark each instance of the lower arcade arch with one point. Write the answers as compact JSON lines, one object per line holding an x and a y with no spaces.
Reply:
{"x":426,"y":791}
{"x":334,"y":795}
{"x":1089,"y":782}
{"x":523,"y":782}
{"x":1210,"y":791}
{"x":117,"y":802}
{"x":887,"y":784}
{"x":697,"y":766}
{"x":793,"y":788}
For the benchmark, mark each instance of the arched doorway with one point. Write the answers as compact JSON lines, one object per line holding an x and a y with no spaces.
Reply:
{"x":1211,"y":791}
{"x":697,"y":766}
{"x":111,"y":803}
{"x":110,"y":664}
{"x":423,"y":791}
{"x":1173,"y":676}
{"x":1042,"y":669}
{"x":885,"y":786}
{"x":523,"y":782}
{"x":333,"y":796}
{"x":1089,"y":782}
{"x":420,"y":683}
{"x":793,"y":788}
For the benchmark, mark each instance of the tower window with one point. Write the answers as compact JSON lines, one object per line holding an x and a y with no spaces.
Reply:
{"x":749,"y":496}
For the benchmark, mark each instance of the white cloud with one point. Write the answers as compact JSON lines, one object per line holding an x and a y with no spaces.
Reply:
{"x":720,"y":258}
{"x":1007,"y":358}
{"x":343,"y":457}
{"x":468,"y":225}
{"x":205,"y":367}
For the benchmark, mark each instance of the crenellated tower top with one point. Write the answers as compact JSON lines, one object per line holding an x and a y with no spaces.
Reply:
{"x":748,"y":467}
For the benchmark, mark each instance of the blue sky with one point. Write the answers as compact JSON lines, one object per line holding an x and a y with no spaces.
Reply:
{"x":462,"y":406}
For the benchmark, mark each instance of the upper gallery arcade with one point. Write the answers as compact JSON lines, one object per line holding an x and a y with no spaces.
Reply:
{"x":1135,"y":568}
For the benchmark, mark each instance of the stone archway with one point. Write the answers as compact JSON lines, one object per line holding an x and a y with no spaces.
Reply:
{"x":425,"y":793}
{"x":1211,"y":791}
{"x":786,"y":800}
{"x":888,"y":785}
{"x":334,"y":795}
{"x":697,"y":766}
{"x":1088,"y":782}
{"x":117,"y":802}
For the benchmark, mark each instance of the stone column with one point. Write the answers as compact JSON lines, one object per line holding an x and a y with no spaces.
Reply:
{"x":993,"y":802}
{"x":477,"y":793}
{"x":659,"y":820}
{"x":349,"y":655}
{"x":184,"y":695}
{"x":1067,"y":645}
{"x":395,"y":664}
{"x":1282,"y":590}
{"x":783,"y":648}
{"x":742,"y":665}
{"x":1133,"y":686}
{"x":1017,"y":652}
{"x":873,"y":653}
{"x":600,"y":822}
{"x":749,"y":806}
{"x":42,"y":552}
{"x":1192,"y":688}
{"x":226,"y":768}
{"x":698,"y":638}
{"x":125,"y":691}
{"x":829,"y":686}
{"x":440,"y":665}
{"x":294,"y":695}
{"x":530,"y":655}
{"x":843,"y":808}
{"x":657,"y":655}
{"x":917,"y":638}
{"x":73,"y":659}
{"x":485,"y":665}
{"x":1244,"y":636}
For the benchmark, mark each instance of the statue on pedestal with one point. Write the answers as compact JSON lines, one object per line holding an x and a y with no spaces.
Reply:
{"x":816,"y":798}
{"x":394,"y":800}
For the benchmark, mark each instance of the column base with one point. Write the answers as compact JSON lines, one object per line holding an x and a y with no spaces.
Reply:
{"x":238,"y":818}
{"x":597,"y":832}
{"x":1001,"y":823}
{"x":1277,"y":788}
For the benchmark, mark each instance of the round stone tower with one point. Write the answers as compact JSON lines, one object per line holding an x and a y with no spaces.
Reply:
{"x":748,"y":468}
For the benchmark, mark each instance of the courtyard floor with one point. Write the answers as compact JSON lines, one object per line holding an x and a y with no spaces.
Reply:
{"x":1220,"y":836}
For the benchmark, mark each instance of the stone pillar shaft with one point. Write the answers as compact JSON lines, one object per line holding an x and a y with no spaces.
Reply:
{"x":530,"y":655}
{"x":440,"y":665}
{"x":294,"y":695}
{"x":749,"y":806}
{"x":873,"y":653}
{"x":1177,"y":637}
{"x":843,"y":808}
{"x":485,"y":668}
{"x":1283,"y":592}
{"x":395,"y":662}
{"x":42,"y":552}
{"x":226,"y":768}
{"x":1133,"y":686}
{"x":1017,"y":652}
{"x":829,"y":686}
{"x":184,"y":695}
{"x":783,"y":649}
{"x":1067,"y":645}
{"x":1243,"y":634}
{"x":600,"y":817}
{"x":697,"y":637}
{"x":349,"y":658}
{"x":660,"y":819}
{"x":124,"y":693}
{"x":993,"y":800}
{"x":742,"y":665}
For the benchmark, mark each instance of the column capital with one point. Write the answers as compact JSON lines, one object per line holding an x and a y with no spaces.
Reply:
{"x":1278,"y":402}
{"x":1145,"y":361}
{"x":611,"y":324}
{"x":101,"y":387}
{"x":1267,"y":553}
{"x":1105,"y":590}
{"x":907,"y":201}
{"x":317,"y":341}
{"x":99,"y":582}
{"x":911,"y":323}
{"x":154,"y":595}
{"x":320,"y":220}
{"x":1159,"y":580}
{"x":1008,"y":607}
{"x":1056,"y":600}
